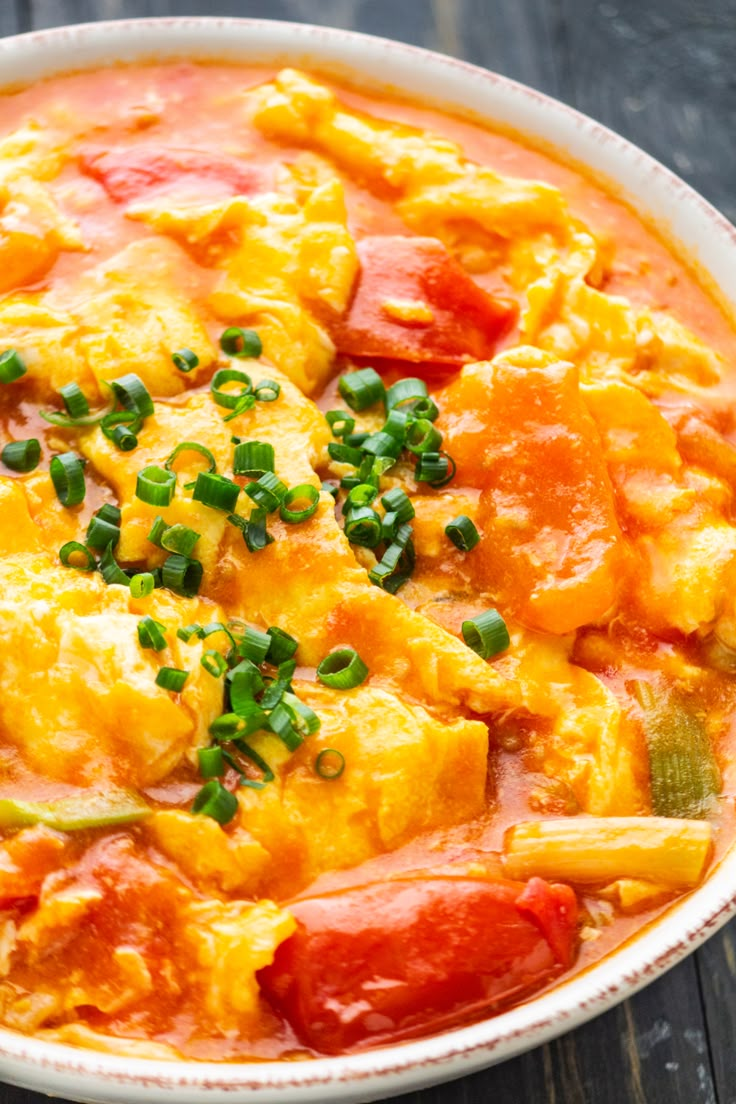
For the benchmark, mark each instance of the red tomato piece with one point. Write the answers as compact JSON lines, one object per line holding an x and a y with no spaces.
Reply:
{"x":139,"y":172}
{"x":413,"y":301}
{"x":390,"y":959}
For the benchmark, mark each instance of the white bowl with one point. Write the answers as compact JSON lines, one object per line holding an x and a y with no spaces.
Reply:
{"x":711,"y":241}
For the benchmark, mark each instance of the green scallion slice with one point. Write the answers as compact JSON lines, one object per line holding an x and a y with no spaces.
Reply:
{"x":213,"y":800}
{"x":254,"y":645}
{"x":363,"y":526}
{"x":344,"y":454}
{"x":76,"y":555}
{"x":397,"y":563}
{"x":110,"y":571}
{"x":283,"y":646}
{"x":329,"y":764}
{"x":214,"y":663}
{"x":230,"y":399}
{"x":151,"y":634}
{"x":142,"y":585}
{"x":281,"y":721}
{"x":191,"y":446}
{"x":396,"y":424}
{"x":157,"y":531}
{"x":267,"y":390}
{"x":22,"y":456}
{"x":123,"y":439}
{"x":74,"y":400}
{"x":399,"y":502}
{"x":132,"y":393}
{"x":236,"y":342}
{"x":246,"y":402}
{"x":299,"y":503}
{"x":211,"y":762}
{"x":67,"y":475}
{"x":185,"y":360}
{"x":304,"y":719}
{"x":187,"y":632}
{"x":11,"y":366}
{"x":342,"y":670}
{"x":155,"y":486}
{"x":330,"y":487}
{"x":127,"y":419}
{"x":422,"y":408}
{"x":356,"y":440}
{"x":179,"y":538}
{"x":340,"y":422}
{"x":389,"y":525}
{"x":362,"y":389}
{"x":254,"y":458}
{"x":383,"y":444}
{"x":172,"y":678}
{"x":361,"y":495}
{"x":422,"y":436}
{"x":182,"y":575}
{"x":486,"y":634}
{"x":405,"y":391}
{"x":435,"y":468}
{"x":267,"y":492}
{"x":216,"y":491}
{"x":100,"y":533}
{"x":462,"y":532}
{"x":110,"y":513}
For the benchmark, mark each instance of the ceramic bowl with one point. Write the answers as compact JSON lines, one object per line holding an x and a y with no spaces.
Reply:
{"x":711,"y":241}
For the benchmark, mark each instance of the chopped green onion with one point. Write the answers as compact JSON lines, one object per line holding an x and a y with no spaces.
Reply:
{"x":356,"y":440}
{"x":185,"y":360}
{"x":246,"y":402}
{"x":362,"y":389}
{"x":74,"y":400}
{"x":340,"y":422}
{"x":363,"y":527}
{"x":131,"y":392}
{"x":179,"y":538}
{"x":22,"y":456}
{"x":123,"y":439}
{"x":11,"y":366}
{"x":213,"y":800}
{"x":274,"y":692}
{"x":399,"y":502}
{"x":267,"y":492}
{"x":191,"y":446}
{"x":304,"y":493}
{"x":244,"y":682}
{"x":246,"y":749}
{"x":229,"y":399}
{"x":350,"y":481}
{"x":255,"y":533}
{"x":214,"y":663}
{"x":157,"y":531}
{"x":254,"y":645}
{"x":462,"y":532}
{"x":330,"y":487}
{"x":281,"y":721}
{"x":305,"y":719}
{"x":74,"y":548}
{"x":155,"y":486}
{"x":282,"y":646}
{"x":267,"y":390}
{"x":182,"y":575}
{"x":342,"y":670}
{"x":100,"y":533}
{"x":344,"y":454}
{"x":397,"y":563}
{"x":329,"y":764}
{"x":254,"y":458}
{"x":188,"y":631}
{"x":486,"y":634}
{"x":217,"y":627}
{"x":110,"y":423}
{"x":110,"y":513}
{"x":211,"y":762}
{"x":423,"y":436}
{"x":142,"y":585}
{"x":216,"y":491}
{"x":172,"y":678}
{"x":151,"y":634}
{"x":422,"y":408}
{"x":396,"y":424}
{"x":383,"y":444}
{"x":111,"y":572}
{"x":435,"y":468}
{"x":67,"y":475}
{"x":240,"y":343}
{"x":405,"y":390}
{"x":389,"y":525}
{"x":361,"y":495}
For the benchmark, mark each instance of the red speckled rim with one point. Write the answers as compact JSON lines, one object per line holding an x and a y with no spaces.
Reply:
{"x":706,"y":237}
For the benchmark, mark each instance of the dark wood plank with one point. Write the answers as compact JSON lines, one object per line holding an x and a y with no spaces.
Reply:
{"x":14,"y":17}
{"x":716,"y":963}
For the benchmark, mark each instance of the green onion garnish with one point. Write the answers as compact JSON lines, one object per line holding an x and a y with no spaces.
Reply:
{"x":100,"y":533}
{"x":155,"y":486}
{"x":422,"y":436}
{"x":229,"y":399}
{"x":22,"y":456}
{"x":399,"y":502}
{"x":214,"y":663}
{"x":267,"y":492}
{"x":186,"y":632}
{"x":142,"y":585}
{"x":344,"y":454}
{"x":306,"y":494}
{"x":254,"y":458}
{"x":240,"y":343}
{"x":179,"y":538}
{"x":329,"y":764}
{"x":151,"y":634}
{"x":340,"y":422}
{"x":11,"y":366}
{"x":211,"y":762}
{"x":281,"y":721}
{"x":110,"y":423}
{"x":462,"y":532}
{"x":213,"y":800}
{"x":383,"y":444}
{"x":342,"y":670}
{"x":356,"y":440}
{"x":362,"y":389}
{"x":191,"y":446}
{"x":185,"y":360}
{"x":182,"y":575}
{"x":216,"y":491}
{"x":361,"y":495}
{"x":435,"y":468}
{"x":74,"y":400}
{"x":245,"y":402}
{"x":110,"y":513}
{"x":157,"y":531}
{"x":363,"y":526}
{"x":267,"y":390}
{"x":397,"y":563}
{"x":172,"y":678}
{"x":282,"y":647}
{"x":404,"y":391}
{"x":67,"y":475}
{"x":330,"y":487}
{"x":123,"y":439}
{"x":256,"y":534}
{"x":396,"y":424}
{"x":486,"y":634}
{"x":131,"y":392}
{"x":389,"y":525}
{"x":76,"y":550}
{"x":305,"y":719}
{"x":254,"y":645}
{"x":111,"y":572}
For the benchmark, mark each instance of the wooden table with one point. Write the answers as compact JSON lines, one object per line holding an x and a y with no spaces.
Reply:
{"x":662,"y":73}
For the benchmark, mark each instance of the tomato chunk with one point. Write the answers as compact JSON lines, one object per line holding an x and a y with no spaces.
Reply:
{"x":386,"y":960}
{"x":139,"y":172}
{"x":413,"y":301}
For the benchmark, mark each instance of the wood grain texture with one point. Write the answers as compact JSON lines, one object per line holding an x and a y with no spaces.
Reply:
{"x":662,"y":74}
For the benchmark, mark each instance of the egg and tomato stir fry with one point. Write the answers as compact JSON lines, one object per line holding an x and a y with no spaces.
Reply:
{"x":367,"y":558}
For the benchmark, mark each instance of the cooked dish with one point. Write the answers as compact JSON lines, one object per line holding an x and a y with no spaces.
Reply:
{"x":367,"y":558}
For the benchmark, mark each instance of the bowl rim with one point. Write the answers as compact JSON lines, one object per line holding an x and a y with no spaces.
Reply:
{"x":709,"y":239}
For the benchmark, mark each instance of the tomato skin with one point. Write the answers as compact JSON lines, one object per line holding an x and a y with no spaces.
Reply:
{"x":465,"y":321}
{"x":386,"y":960}
{"x":132,"y":174}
